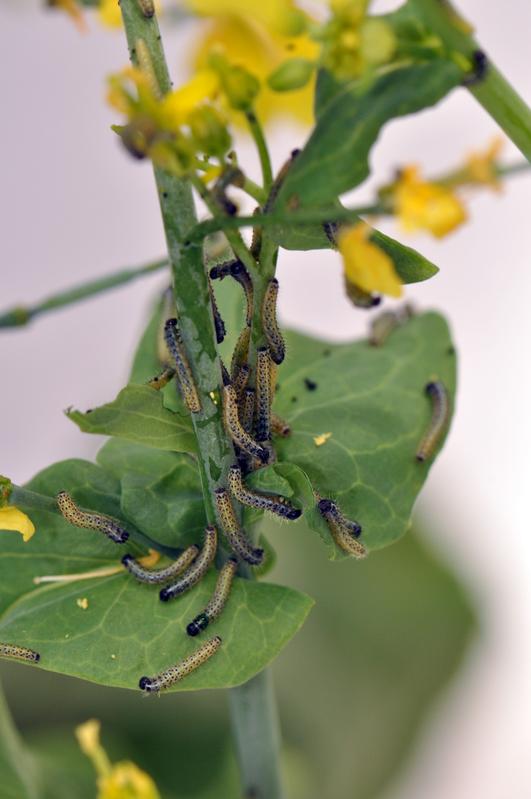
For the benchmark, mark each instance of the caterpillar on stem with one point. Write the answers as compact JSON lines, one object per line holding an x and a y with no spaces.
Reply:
{"x":263,"y":394}
{"x":270,"y":324}
{"x":344,"y":531}
{"x":162,"y":379}
{"x":18,"y":652}
{"x":176,"y":348}
{"x":240,"y":381}
{"x":240,"y":353}
{"x":234,"y":534}
{"x":233,"y":426}
{"x":219,"y":324}
{"x":167,"y":312}
{"x":237,"y":270}
{"x":274,"y":503}
{"x":147,"y":7}
{"x":247,"y":404}
{"x":90,"y":520}
{"x":218,"y":599}
{"x":170,"y":676}
{"x":158,"y":576}
{"x":439,"y":420}
{"x":146,"y":67}
{"x":197,"y":570}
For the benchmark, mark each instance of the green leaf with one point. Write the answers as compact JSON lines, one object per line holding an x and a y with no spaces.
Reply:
{"x":341,"y":141}
{"x":138,"y":414}
{"x":326,"y":88}
{"x":372,"y":401}
{"x":126,"y":631}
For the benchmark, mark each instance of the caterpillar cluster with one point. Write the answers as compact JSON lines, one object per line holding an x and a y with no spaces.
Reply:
{"x":90,"y":520}
{"x":439,"y":420}
{"x":170,"y":676}
{"x":218,"y":599}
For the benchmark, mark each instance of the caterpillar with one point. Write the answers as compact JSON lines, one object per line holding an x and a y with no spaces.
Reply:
{"x":386,"y":323}
{"x":263,"y":394}
{"x":146,"y":67}
{"x":361,"y":298}
{"x":231,"y":176}
{"x":233,"y":532}
{"x":239,"y":436}
{"x":270,"y":324}
{"x":197,"y":570}
{"x":170,"y":676}
{"x":441,"y":413}
{"x":480,"y":67}
{"x":159,"y":381}
{"x":274,"y":503}
{"x":279,"y":180}
{"x":240,"y":381}
{"x":219,"y":324}
{"x":175,"y":345}
{"x":167,"y":311}
{"x":256,"y":239}
{"x":158,"y":576}
{"x":344,"y":532}
{"x":18,"y":652}
{"x":218,"y":599}
{"x":237,"y":270}
{"x":247,"y":409}
{"x":90,"y":520}
{"x":279,"y":427}
{"x":240,"y":354}
{"x":147,"y":7}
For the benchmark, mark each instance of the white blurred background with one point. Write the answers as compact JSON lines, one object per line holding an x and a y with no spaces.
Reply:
{"x":74,"y":207}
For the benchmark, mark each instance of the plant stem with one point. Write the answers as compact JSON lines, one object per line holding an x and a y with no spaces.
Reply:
{"x":255,"y":721}
{"x":493,"y":92}
{"x":191,"y":292}
{"x":20,"y":315}
{"x":263,"y":151}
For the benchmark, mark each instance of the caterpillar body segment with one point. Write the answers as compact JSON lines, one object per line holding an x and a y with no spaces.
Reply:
{"x":176,"y":348}
{"x":386,"y":323}
{"x":18,"y":653}
{"x":234,"y":428}
{"x":218,"y":599}
{"x":159,"y":576}
{"x":269,"y":322}
{"x":197,"y":570}
{"x":240,"y":355}
{"x":344,"y":531}
{"x":146,"y":67}
{"x":439,"y":420}
{"x":263,"y":394}
{"x":241,"y":379}
{"x":159,"y":381}
{"x":279,"y":427}
{"x":232,"y":530}
{"x":274,"y":503}
{"x":167,"y":312}
{"x":173,"y":674}
{"x":219,"y":324}
{"x":247,"y":404}
{"x":147,"y":7}
{"x":90,"y":520}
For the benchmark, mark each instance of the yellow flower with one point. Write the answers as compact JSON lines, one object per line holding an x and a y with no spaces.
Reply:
{"x":365,"y":264}
{"x":259,"y":36}
{"x":12,"y":518}
{"x":480,"y":167}
{"x":176,"y":106}
{"x":73,"y":10}
{"x":122,"y":780}
{"x":428,"y":206}
{"x":109,"y":13}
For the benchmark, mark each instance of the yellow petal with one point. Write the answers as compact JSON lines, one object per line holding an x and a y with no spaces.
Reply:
{"x":365,"y":264}
{"x":109,"y":13}
{"x":480,"y":167}
{"x":420,"y":205}
{"x":127,"y":781}
{"x":88,"y":736}
{"x":177,"y":105}
{"x":12,"y":518}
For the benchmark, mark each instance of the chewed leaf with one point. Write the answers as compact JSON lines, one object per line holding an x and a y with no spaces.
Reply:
{"x":371,"y":404}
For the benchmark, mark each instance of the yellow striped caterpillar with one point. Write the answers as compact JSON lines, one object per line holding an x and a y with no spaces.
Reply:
{"x":159,"y":381}
{"x":174,"y":341}
{"x":170,"y":676}
{"x":218,"y":599}
{"x":270,"y":324}
{"x":263,"y":394}
{"x":240,"y":354}
{"x":247,"y":409}
{"x":146,"y":67}
{"x":240,"y":381}
{"x":197,"y":570}
{"x":18,"y":652}
{"x":344,"y":532}
{"x":158,"y":576}
{"x":234,"y":534}
{"x":386,"y":323}
{"x":237,"y":270}
{"x":439,"y":420}
{"x":147,"y":7}
{"x":279,"y":427}
{"x":90,"y":520}
{"x":233,"y":426}
{"x":275,"y":503}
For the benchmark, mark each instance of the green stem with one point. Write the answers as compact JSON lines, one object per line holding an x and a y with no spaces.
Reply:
{"x":255,"y":721}
{"x":263,"y":151}
{"x":493,"y":92}
{"x":20,"y":315}
{"x":17,"y":766}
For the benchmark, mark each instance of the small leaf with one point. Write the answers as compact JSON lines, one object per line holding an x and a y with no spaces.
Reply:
{"x":138,"y":414}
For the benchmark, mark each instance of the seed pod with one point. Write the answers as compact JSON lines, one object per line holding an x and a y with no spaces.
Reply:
{"x":197,"y":570}
{"x":274,"y":503}
{"x":344,"y":531}
{"x":439,"y":420}
{"x":18,"y":653}
{"x":90,"y":520}
{"x":218,"y":599}
{"x":158,"y":576}
{"x":233,"y":426}
{"x":270,"y":324}
{"x":175,"y":344}
{"x":170,"y":676}
{"x":232,"y":531}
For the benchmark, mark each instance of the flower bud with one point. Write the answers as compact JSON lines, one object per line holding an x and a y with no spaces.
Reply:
{"x":209,"y":131}
{"x":291,"y":74}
